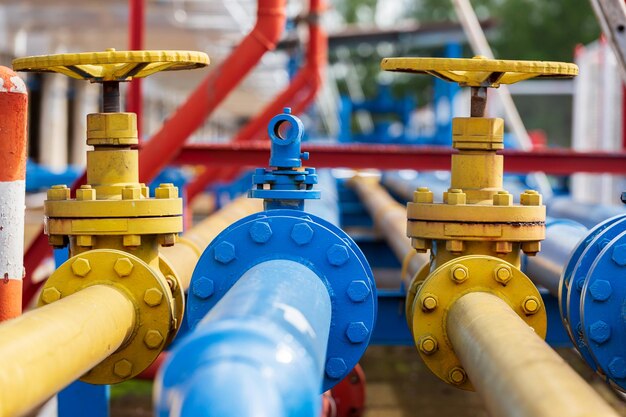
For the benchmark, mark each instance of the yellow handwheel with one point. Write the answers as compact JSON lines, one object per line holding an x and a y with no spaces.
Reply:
{"x":480,"y":71}
{"x":112,"y":65}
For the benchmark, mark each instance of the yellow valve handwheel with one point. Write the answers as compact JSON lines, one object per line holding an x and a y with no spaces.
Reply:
{"x":112,"y":65}
{"x":480,"y":71}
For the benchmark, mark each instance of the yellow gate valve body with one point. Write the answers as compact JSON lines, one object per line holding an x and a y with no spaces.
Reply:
{"x":113,"y":227}
{"x":476,"y":234}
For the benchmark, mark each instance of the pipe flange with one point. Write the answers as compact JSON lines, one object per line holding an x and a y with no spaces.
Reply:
{"x":448,"y":283}
{"x":601,"y":237}
{"x":411,"y":293}
{"x":602,"y":306}
{"x":147,"y":289}
{"x":303,"y":238}
{"x":178,"y":294}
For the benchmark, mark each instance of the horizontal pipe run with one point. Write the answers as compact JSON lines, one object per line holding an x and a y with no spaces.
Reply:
{"x":45,"y":349}
{"x":546,"y":267}
{"x":587,"y":214}
{"x":184,"y":255}
{"x":515,"y":372}
{"x":260,"y":351}
{"x":389,"y":219}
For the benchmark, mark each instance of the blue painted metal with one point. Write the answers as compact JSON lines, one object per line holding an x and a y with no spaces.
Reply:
{"x":288,"y":187}
{"x":301,"y":237}
{"x":261,"y":351}
{"x":80,"y":399}
{"x":40,"y":178}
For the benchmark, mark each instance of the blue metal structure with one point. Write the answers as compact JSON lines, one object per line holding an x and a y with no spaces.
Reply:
{"x":278,"y":296}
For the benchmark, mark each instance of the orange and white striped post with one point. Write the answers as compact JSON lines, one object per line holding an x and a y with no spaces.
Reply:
{"x":13,"y":142}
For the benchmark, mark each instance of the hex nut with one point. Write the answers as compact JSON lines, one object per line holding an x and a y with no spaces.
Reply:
{"x":337,"y":255}
{"x":166,"y":190}
{"x":358,"y":291}
{"x":617,"y":367}
{"x":203,"y":287}
{"x":85,"y":241}
{"x":58,"y":193}
{"x":502,"y":198}
{"x":503,"y":274}
{"x":428,"y":345}
{"x":123,"y":368}
{"x":260,"y":232}
{"x":50,"y":295}
{"x":457,"y":376}
{"x":357,"y":332}
{"x":423,"y":195}
{"x":336,"y":368}
{"x":456,"y":196}
{"x":600,"y":290}
{"x":503,"y":247}
{"x":301,"y":233}
{"x":123,"y":267}
{"x":599,"y":332}
{"x":530,"y":198}
{"x":224,"y":252}
{"x":454,"y":246}
{"x":429,"y":302}
{"x":421,"y":245}
{"x":131,"y":240}
{"x":131,"y":192}
{"x":153,"y":339}
{"x":619,"y":255}
{"x":85,"y":193}
{"x":81,"y":267}
{"x":531,"y":305}
{"x":531,"y":248}
{"x":459,"y":273}
{"x":153,"y":297}
{"x":57,"y":241}
{"x":167,"y":239}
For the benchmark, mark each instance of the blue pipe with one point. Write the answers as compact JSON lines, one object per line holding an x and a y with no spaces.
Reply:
{"x":259,"y":352}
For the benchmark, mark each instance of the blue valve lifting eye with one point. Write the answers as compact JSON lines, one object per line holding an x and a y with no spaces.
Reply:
{"x":285,"y":129}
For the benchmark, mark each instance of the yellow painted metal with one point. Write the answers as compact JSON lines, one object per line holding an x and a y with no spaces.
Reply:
{"x":46,"y":349}
{"x":184,"y":255}
{"x":112,"y":129}
{"x":479,"y":71}
{"x":453,"y":280}
{"x":154,"y":311}
{"x":112,"y":65}
{"x":513,"y":370}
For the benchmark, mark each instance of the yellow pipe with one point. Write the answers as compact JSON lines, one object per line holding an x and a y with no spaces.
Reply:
{"x":516,"y":373}
{"x":185,"y":254}
{"x":389,"y":219}
{"x":45,"y":349}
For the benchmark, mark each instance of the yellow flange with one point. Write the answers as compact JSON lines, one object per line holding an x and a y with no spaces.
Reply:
{"x":157,"y":316}
{"x":112,"y":65}
{"x":479,"y":71}
{"x":450,"y":282}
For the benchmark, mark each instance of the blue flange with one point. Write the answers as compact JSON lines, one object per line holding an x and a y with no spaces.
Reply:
{"x":609,"y":230}
{"x":603,"y":308}
{"x":300,"y":237}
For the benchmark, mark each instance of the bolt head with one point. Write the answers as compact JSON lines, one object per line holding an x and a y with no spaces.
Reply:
{"x":456,"y":196}
{"x":502,"y":198}
{"x":459,"y":273}
{"x":166,"y":190}
{"x":203,"y":288}
{"x":619,"y":255}
{"x":123,"y":368}
{"x":429,"y":302}
{"x":85,"y":241}
{"x":81,"y":267}
{"x":58,"y":192}
{"x":602,"y":243}
{"x":153,"y":297}
{"x":260,"y":232}
{"x":337,"y":255}
{"x":503,"y":274}
{"x":428,"y":345}
{"x":531,"y":248}
{"x":85,"y":192}
{"x":600,"y":290}
{"x":357,"y":332}
{"x":457,"y":376}
{"x":531,"y":305}
{"x":153,"y":339}
{"x":131,"y":192}
{"x":530,"y":198}
{"x":131,"y":240}
{"x":421,"y":245}
{"x":617,"y":367}
{"x":454,"y":246}
{"x":167,"y":239}
{"x":301,"y":233}
{"x":599,"y":332}
{"x":336,"y":368}
{"x":224,"y":252}
{"x":423,"y":195}
{"x":50,"y":295}
{"x":123,"y":267}
{"x":57,"y":241}
{"x":358,"y":291}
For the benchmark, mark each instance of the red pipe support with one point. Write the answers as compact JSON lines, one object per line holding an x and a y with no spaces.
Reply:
{"x":298,"y":95}
{"x":163,"y":146}
{"x":423,"y":158}
{"x":13,"y":115}
{"x":136,"y":13}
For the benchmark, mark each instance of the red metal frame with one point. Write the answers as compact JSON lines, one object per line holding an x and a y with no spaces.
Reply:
{"x":298,"y":95}
{"x":163,"y":146}
{"x":136,"y":14}
{"x":550,"y":161}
